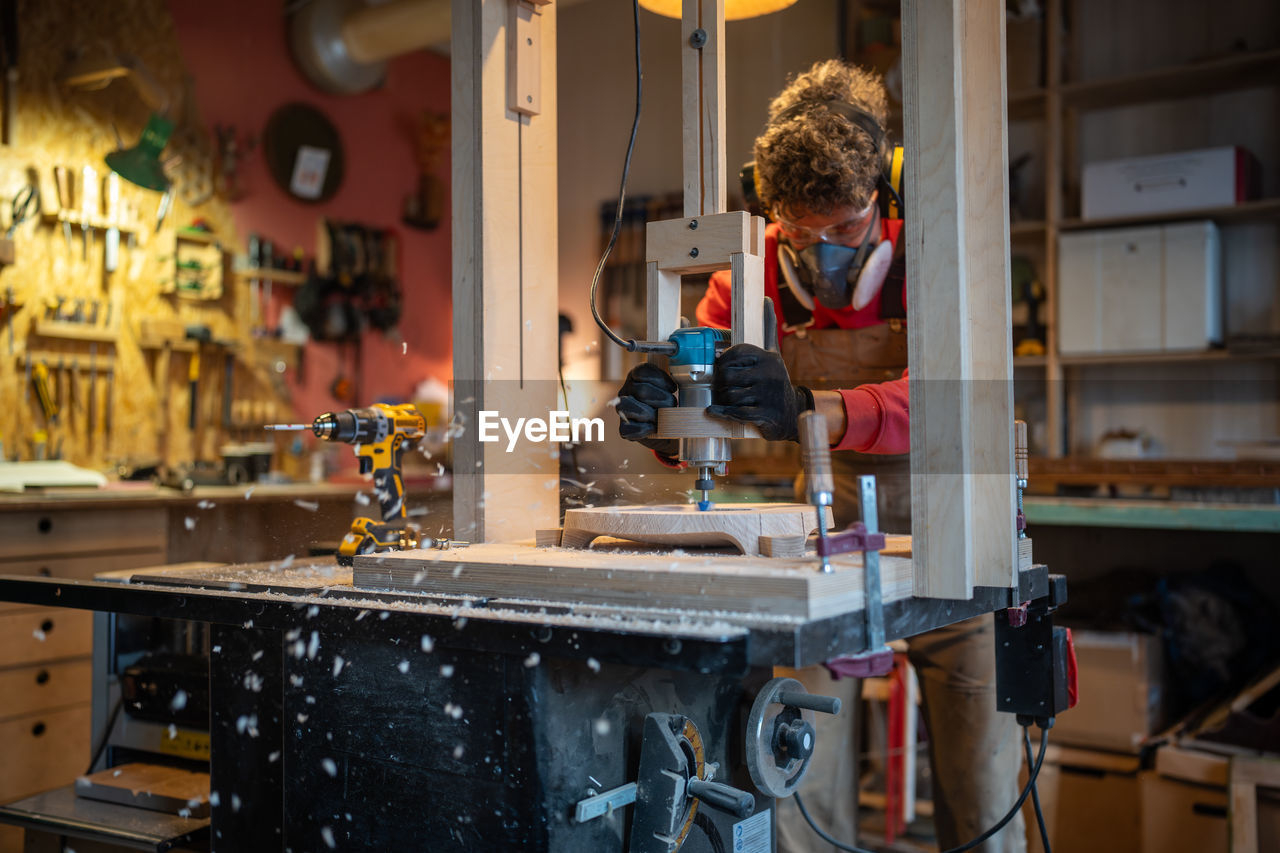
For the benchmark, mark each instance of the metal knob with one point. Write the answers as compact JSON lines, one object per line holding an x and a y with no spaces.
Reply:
{"x":795,"y":739}
{"x":723,"y":797}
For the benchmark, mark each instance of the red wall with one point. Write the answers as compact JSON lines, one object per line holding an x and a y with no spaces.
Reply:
{"x":239,"y":56}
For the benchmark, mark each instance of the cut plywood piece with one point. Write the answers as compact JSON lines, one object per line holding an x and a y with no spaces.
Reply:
{"x":158,"y":788}
{"x":736,"y":525}
{"x":961,"y":358}
{"x":636,"y":578}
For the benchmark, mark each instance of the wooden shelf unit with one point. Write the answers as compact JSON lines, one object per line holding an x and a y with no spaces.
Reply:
{"x":69,"y":331}
{"x":1169,"y":357}
{"x":1266,"y":208}
{"x":1238,"y":71}
{"x":1059,"y":103}
{"x":287,"y":277}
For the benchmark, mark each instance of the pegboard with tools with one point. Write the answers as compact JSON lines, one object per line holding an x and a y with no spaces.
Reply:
{"x":93,"y":256}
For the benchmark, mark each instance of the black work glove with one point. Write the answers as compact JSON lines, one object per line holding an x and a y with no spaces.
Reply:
{"x":646,"y":390}
{"x":751,"y":386}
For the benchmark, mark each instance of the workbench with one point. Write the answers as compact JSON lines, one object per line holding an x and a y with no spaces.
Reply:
{"x":45,"y":652}
{"x":477,"y":723}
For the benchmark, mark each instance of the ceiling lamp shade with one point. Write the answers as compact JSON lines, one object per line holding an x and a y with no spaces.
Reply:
{"x":734,"y":10}
{"x":141,"y":164}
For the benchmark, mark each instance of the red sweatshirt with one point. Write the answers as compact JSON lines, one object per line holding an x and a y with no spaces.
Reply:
{"x":878,"y":420}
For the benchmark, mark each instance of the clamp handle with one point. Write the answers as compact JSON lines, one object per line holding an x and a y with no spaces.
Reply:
{"x":724,"y":797}
{"x":809,"y":701}
{"x":815,"y":457}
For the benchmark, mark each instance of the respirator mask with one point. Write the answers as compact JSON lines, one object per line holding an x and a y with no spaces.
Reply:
{"x":834,"y":275}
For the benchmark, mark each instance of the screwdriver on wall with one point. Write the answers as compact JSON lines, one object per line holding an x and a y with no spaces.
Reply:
{"x":40,"y":379}
{"x":62,"y":182}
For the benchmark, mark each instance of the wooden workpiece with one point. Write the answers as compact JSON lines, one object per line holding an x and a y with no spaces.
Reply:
{"x":623,"y":574}
{"x":739,"y":526}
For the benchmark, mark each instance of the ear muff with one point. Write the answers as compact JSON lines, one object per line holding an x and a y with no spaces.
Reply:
{"x":892,"y":175}
{"x":892,"y":181}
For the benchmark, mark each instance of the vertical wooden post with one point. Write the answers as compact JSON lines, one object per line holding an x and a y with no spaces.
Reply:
{"x":504,"y":274}
{"x":959,"y":336}
{"x":703,"y":102}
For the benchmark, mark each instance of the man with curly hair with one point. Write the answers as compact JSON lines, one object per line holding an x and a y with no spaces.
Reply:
{"x":831,"y":269}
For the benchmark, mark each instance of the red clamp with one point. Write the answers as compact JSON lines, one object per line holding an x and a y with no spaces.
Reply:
{"x":855,"y":538}
{"x":866,"y":665}
{"x":1017,"y":615}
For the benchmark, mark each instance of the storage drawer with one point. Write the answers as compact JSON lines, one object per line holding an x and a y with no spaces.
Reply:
{"x":31,"y":635}
{"x":36,"y":534}
{"x":83,"y":567}
{"x":43,"y":751}
{"x":33,"y":689}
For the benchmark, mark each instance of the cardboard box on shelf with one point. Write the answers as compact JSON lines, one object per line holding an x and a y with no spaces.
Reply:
{"x":1166,"y":183}
{"x":1184,"y":802}
{"x":1090,"y":800}
{"x":1121,"y":679}
{"x":1155,"y":288}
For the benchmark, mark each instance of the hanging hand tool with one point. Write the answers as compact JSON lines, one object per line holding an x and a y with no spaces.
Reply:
{"x":63,"y":380}
{"x":201,"y":335}
{"x":10,"y":307}
{"x":90,"y":207}
{"x":26,"y":204}
{"x":380,"y":433}
{"x":107,"y":407}
{"x":228,"y":387}
{"x":62,"y":182}
{"x":40,"y":380}
{"x":111,"y":242}
{"x":91,"y":420}
{"x":166,"y":201}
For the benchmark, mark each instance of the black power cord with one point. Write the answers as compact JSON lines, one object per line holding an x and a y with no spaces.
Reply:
{"x":1022,"y":798}
{"x":629,"y":346}
{"x":1035,"y":795}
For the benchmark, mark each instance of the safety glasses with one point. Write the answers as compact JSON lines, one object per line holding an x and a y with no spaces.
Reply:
{"x":851,"y":231}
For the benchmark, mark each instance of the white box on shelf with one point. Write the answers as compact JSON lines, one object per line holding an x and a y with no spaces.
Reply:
{"x":1140,"y":290}
{"x":1166,"y":183}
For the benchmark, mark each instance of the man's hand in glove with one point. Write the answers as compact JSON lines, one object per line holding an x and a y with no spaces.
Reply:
{"x":751,"y":385}
{"x":646,"y":390}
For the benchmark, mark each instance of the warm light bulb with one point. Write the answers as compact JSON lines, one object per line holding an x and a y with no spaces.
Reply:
{"x":734,"y":10}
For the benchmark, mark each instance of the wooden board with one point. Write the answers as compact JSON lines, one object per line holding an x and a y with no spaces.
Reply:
{"x":736,"y":525}
{"x":622,"y":575}
{"x":156,"y":787}
{"x":959,"y":337}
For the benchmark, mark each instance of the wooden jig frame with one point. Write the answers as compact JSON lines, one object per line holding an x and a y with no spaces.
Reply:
{"x":957,"y":254}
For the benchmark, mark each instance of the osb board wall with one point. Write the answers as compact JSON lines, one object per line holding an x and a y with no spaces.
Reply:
{"x":57,"y":126}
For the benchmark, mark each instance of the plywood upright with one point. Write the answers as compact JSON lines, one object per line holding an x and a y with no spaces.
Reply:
{"x":504,"y":264}
{"x":961,"y":354}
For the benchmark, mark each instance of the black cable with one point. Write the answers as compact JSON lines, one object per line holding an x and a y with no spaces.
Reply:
{"x":1030,"y":786}
{"x":629,"y":346}
{"x":1035,"y":794}
{"x":106,"y":734}
{"x":1022,"y":798}
{"x":839,"y":845}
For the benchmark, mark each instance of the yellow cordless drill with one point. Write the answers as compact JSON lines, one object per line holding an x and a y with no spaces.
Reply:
{"x":380,"y":433}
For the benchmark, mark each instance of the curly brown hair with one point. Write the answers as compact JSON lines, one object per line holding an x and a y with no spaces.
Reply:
{"x":817,"y":160}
